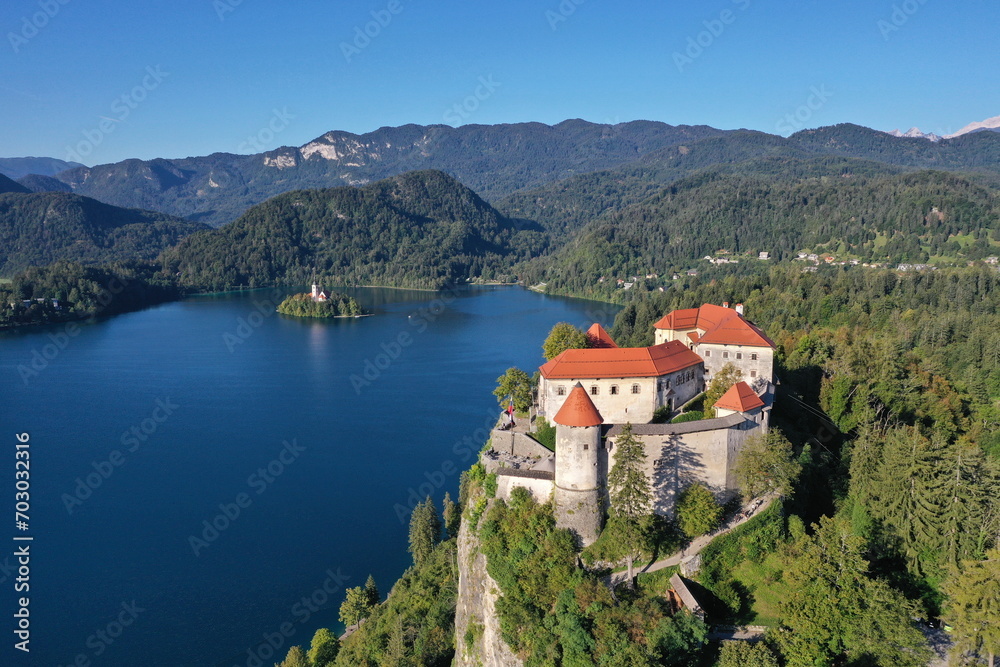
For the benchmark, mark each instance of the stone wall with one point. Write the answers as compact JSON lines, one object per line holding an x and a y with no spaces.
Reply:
{"x":539,"y":487}
{"x":678,"y":455}
{"x":518,"y":444}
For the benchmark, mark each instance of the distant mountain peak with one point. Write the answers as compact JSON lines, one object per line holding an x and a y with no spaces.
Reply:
{"x":988,"y":125}
{"x":915,"y":133}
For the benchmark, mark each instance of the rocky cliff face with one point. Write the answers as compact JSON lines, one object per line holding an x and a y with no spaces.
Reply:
{"x":475,"y":613}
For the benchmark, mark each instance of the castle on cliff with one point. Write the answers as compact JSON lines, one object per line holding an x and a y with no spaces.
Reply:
{"x":590,"y":394}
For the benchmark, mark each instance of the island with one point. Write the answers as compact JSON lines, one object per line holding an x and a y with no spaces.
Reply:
{"x":320,"y":303}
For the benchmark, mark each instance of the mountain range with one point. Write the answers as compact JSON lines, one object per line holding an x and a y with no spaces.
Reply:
{"x":564,"y":204}
{"x":18,"y":167}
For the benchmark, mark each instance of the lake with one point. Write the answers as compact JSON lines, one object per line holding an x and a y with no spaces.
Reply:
{"x":208,"y":473}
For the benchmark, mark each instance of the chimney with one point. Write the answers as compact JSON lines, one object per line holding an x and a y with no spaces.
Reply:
{"x":725,"y":304}
{"x":739,"y":308}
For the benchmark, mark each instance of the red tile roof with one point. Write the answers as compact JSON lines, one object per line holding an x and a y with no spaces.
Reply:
{"x":740,"y":398}
{"x":599,"y":337}
{"x":578,"y":410}
{"x":722,"y":326}
{"x":620,"y":362}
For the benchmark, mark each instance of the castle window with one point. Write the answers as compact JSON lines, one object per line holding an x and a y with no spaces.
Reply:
{"x":753,"y":357}
{"x":586,"y":446}
{"x":614,"y":390}
{"x":666,"y":384}
{"x":636,"y":389}
{"x":560,"y":390}
{"x":739,"y":355}
{"x":594,"y":390}
{"x":725,"y":355}
{"x":753,"y":374}
{"x":708,"y":353}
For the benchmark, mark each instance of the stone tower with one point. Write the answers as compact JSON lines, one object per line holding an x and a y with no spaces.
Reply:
{"x":578,"y":479}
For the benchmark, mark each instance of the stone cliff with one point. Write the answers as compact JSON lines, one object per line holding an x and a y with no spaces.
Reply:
{"x":477,"y":628}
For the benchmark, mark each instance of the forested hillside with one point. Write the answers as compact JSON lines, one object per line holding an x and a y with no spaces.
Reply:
{"x":421,"y":229}
{"x":38,"y":229}
{"x":911,"y":217}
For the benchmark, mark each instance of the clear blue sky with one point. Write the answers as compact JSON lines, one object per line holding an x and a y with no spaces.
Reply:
{"x":606,"y":62}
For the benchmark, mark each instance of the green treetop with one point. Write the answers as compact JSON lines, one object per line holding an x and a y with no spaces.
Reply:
{"x":727,"y":376}
{"x":765,"y":464}
{"x":973,"y":608}
{"x":698,"y":512}
{"x":564,"y":336}
{"x":515,"y":384}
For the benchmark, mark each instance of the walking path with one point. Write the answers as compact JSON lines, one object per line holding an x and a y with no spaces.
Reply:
{"x":696,"y":545}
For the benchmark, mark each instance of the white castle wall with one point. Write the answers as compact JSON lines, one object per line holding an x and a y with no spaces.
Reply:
{"x":742,"y":357}
{"x":625,"y":406}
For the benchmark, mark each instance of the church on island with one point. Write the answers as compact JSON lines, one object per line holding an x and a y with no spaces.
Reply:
{"x":590,"y":394}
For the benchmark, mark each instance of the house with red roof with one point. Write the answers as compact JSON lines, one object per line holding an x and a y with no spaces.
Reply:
{"x":627,"y":384}
{"x":721,"y":335}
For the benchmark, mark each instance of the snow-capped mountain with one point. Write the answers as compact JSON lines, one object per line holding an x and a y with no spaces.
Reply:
{"x":915,"y":133}
{"x":988,"y":125}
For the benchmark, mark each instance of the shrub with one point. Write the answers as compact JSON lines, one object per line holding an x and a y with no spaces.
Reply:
{"x":688,"y":417}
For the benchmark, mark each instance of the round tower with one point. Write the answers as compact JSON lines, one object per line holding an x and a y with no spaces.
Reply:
{"x":578,"y":481}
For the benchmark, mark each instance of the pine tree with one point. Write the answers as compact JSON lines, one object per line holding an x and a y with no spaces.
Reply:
{"x":834,"y":612}
{"x":973,"y":607}
{"x":452,"y":514}
{"x":630,"y":495}
{"x":425,"y":530}
{"x":371,"y":590}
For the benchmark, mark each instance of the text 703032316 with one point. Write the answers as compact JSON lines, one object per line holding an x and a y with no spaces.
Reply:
{"x":22,"y":510}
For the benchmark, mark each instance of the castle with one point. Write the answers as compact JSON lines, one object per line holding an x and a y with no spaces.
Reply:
{"x":590,"y":394}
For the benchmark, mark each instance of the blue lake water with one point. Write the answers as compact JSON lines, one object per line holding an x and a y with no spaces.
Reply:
{"x":218,"y":401}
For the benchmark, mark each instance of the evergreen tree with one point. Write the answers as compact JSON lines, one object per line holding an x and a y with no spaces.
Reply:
{"x":765,"y":464}
{"x":562,"y":337}
{"x":973,"y":607}
{"x":452,"y":514}
{"x":834,"y":612}
{"x":371,"y":590}
{"x":630,"y":495}
{"x":425,"y":530}
{"x":323,"y":649}
{"x":727,"y":376}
